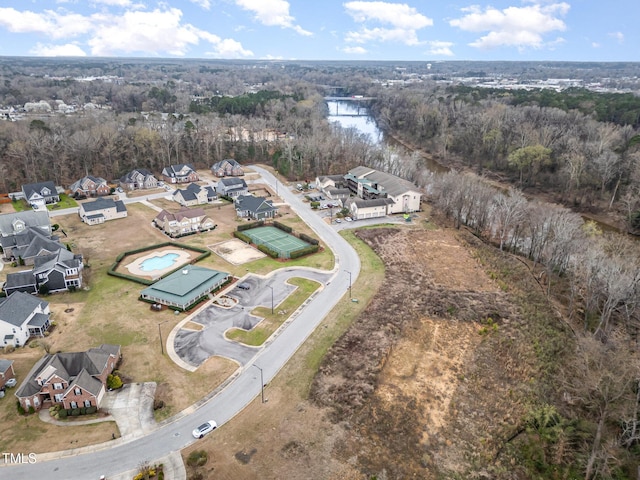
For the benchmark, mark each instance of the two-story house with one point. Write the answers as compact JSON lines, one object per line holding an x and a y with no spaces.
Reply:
{"x":56,"y":272}
{"x":231,"y":187}
{"x":90,"y":186}
{"x":195,"y":194}
{"x":22,"y":316}
{"x":6,"y":371}
{"x":29,"y":244}
{"x":183,"y":173}
{"x":138,"y":179}
{"x":71,"y":379}
{"x":101,"y":210}
{"x":17,"y":223}
{"x":39,"y":195}
{"x":368,"y":184}
{"x":227,"y":168}
{"x":183,"y":222}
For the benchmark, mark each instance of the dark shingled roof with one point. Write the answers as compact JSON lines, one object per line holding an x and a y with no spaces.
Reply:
{"x":18,"y":306}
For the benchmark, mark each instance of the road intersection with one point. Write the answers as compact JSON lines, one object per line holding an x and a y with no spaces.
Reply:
{"x":174,"y":434}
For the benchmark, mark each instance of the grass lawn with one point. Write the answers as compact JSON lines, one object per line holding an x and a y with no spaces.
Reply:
{"x":272,"y":321}
{"x":65,"y":202}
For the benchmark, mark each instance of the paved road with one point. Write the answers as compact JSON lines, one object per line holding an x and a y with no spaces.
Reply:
{"x":175,"y":434}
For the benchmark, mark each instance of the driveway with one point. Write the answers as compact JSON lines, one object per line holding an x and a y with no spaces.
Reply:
{"x":132,"y":408}
{"x":195,"y":347}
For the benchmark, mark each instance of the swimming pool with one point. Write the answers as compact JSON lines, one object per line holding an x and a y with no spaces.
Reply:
{"x":159,"y":263}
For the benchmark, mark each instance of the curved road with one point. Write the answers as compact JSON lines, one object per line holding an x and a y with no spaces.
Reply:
{"x":174,"y":434}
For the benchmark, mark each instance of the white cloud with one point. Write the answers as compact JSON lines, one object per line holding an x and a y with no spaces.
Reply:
{"x":229,"y":48}
{"x":67,"y":50}
{"x":113,"y":3}
{"x":50,"y":23}
{"x":520,"y":27}
{"x":399,"y":15}
{"x":206,"y":4}
{"x":404,"y":22}
{"x":272,"y":13}
{"x":355,"y":50}
{"x":440,"y":48}
{"x":619,"y":36}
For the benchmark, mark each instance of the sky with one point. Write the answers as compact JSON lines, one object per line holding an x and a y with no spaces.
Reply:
{"x":416,"y":30}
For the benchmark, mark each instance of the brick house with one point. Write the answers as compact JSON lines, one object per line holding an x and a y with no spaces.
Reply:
{"x":90,"y":186}
{"x":183,"y":173}
{"x":138,"y":179}
{"x":73,"y":379}
{"x":227,"y":168}
{"x":6,"y":371}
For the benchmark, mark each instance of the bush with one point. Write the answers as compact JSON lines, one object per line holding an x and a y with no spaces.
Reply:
{"x":92,"y":409}
{"x":20,"y":408}
{"x":248,"y":226}
{"x":75,"y":412}
{"x":83,"y":410}
{"x":304,"y":251}
{"x":315,"y":205}
{"x":62,"y":414}
{"x":308,"y":239}
{"x":114,"y":382}
{"x":272,"y":253}
{"x":197,"y":458}
{"x":281,"y":226}
{"x":32,"y":410}
{"x":242,"y":236}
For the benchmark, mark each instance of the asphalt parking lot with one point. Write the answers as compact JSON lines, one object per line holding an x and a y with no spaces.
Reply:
{"x":194,"y":347}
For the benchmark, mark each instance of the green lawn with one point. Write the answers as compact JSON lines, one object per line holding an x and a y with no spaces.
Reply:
{"x":65,"y":202}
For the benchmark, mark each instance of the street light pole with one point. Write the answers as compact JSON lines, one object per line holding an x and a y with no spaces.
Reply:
{"x":349,"y":282}
{"x":271,"y":298}
{"x":261,"y":382}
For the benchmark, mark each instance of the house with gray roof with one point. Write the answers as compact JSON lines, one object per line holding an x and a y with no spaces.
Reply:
{"x":182,"y":173}
{"x":29,"y":244}
{"x":70,"y":379}
{"x":16,"y":223}
{"x":368,"y":184}
{"x":90,"y":186}
{"x":41,"y":194}
{"x":100,"y":210}
{"x":227,"y":168}
{"x":22,"y":316}
{"x":195,"y":194}
{"x":138,"y":179}
{"x":184,"y":222}
{"x":57,"y":272}
{"x":371,"y":208}
{"x":257,"y":208}
{"x":232,"y":187}
{"x":6,"y":371}
{"x":185,"y":287}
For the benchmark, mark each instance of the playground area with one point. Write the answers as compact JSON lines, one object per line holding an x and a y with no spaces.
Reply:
{"x":276,"y":239}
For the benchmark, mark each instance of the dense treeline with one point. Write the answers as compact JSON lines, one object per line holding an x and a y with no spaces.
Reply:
{"x":249,"y":104}
{"x":584,"y":163}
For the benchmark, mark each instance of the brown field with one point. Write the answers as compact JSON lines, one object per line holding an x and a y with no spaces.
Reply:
{"x":420,"y":386}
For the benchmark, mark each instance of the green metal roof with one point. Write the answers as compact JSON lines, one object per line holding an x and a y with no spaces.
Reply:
{"x":185,"y":284}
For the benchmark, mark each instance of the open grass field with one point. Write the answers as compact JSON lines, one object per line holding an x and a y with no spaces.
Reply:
{"x":108,"y":311}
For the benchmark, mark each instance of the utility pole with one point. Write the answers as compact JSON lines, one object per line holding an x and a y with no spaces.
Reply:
{"x":261,"y":382}
{"x":350,"y":296}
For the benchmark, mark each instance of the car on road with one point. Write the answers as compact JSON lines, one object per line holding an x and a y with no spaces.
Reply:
{"x":244,"y":286}
{"x":12,"y":382}
{"x":348,"y":219}
{"x":205,"y":428}
{"x":338,"y":220}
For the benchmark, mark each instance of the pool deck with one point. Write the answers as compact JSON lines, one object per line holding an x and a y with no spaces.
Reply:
{"x":135,"y":267}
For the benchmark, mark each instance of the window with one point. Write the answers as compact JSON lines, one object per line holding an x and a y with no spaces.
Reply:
{"x":58,"y":397}
{"x":36,"y":402}
{"x":57,"y":386}
{"x":74,"y":404}
{"x":77,"y":391}
{"x":87,"y":403}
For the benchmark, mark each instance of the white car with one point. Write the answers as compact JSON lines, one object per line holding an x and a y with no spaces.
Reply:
{"x":205,"y":428}
{"x":348,"y":219}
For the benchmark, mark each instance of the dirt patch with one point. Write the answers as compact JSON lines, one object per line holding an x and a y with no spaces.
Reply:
{"x":236,"y":252}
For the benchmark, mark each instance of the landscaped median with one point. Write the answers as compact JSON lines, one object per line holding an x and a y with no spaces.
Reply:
{"x":272,"y":321}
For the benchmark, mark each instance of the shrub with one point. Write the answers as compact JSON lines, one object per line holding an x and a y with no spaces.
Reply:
{"x":92,"y":409}
{"x":20,"y":408}
{"x":197,"y":458}
{"x":32,"y":410}
{"x":272,"y":253}
{"x":315,"y":205}
{"x":308,"y":239}
{"x":75,"y":412}
{"x":62,"y":413}
{"x":114,"y":382}
{"x":248,"y":226}
{"x":283,"y":227}
{"x":304,"y":251}
{"x":83,"y":410}
{"x":242,"y":236}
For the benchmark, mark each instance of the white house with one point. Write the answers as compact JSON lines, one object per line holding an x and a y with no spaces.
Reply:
{"x":375,"y":207}
{"x":367,"y":183}
{"x":22,"y":316}
{"x":100,"y":210}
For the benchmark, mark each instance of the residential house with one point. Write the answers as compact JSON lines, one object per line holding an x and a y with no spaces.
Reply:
{"x":138,"y":179}
{"x":231,"y":187}
{"x":90,"y":186}
{"x":371,"y":208}
{"x":29,"y":244}
{"x":195,"y":194}
{"x":70,"y":379}
{"x":257,"y":208}
{"x":39,"y":195}
{"x":333,"y":186}
{"x":183,"y":173}
{"x":185,"y":287}
{"x":6,"y":371}
{"x":100,"y":210}
{"x":17,"y":223}
{"x":227,"y":168}
{"x":56,"y":272}
{"x":183,"y":222}
{"x":367,"y":183}
{"x":22,"y":316}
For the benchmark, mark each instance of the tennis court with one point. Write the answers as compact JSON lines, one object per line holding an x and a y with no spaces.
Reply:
{"x":276,"y":239}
